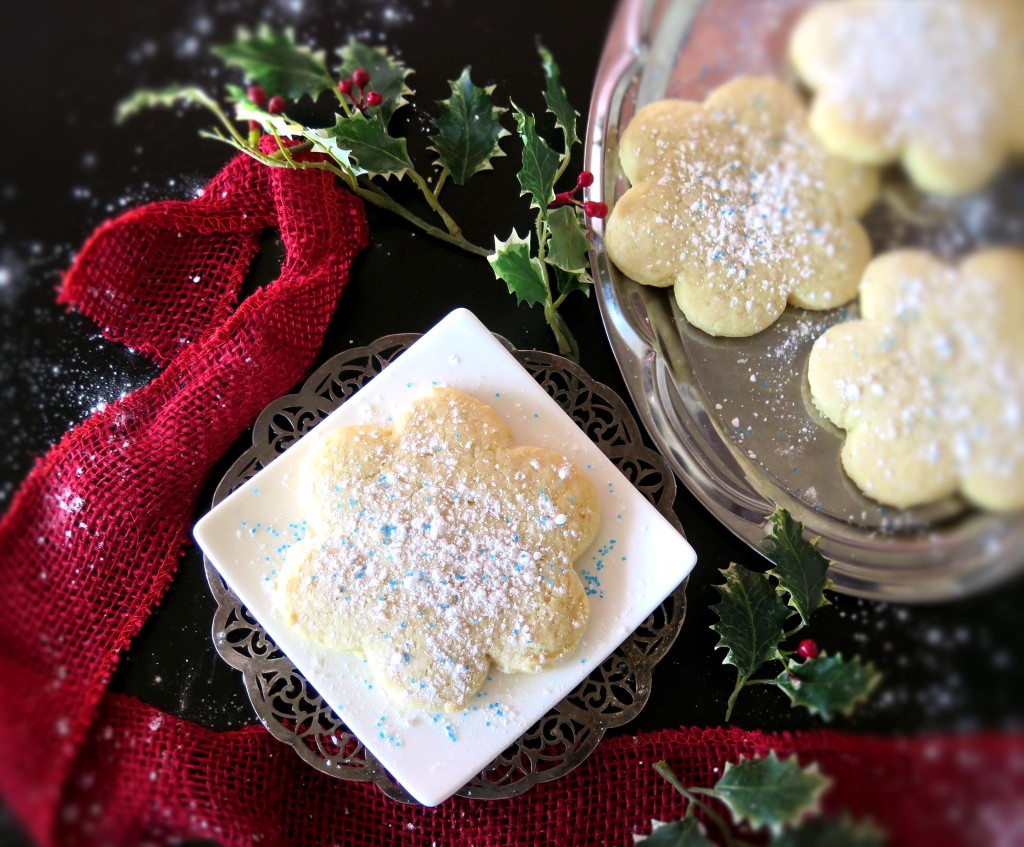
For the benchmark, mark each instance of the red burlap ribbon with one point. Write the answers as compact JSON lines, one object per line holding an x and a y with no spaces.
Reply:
{"x":147,"y":777}
{"x":92,"y":538}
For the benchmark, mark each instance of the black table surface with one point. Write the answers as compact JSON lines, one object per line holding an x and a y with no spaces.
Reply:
{"x":66,"y":168}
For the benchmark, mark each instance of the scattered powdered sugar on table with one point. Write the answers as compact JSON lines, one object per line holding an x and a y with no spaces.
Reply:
{"x":918,"y":652}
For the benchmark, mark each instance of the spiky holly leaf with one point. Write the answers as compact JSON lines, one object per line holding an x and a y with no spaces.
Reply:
{"x":771,"y":792}
{"x":522,"y":273}
{"x":567,"y":282}
{"x":829,"y":685}
{"x":540,"y":163}
{"x":801,"y":571}
{"x":366,"y":142}
{"x":148,"y":98}
{"x":468,"y":129}
{"x":557,"y":99}
{"x":274,"y":61}
{"x":751,"y":616}
{"x":828,"y":832}
{"x":387,"y":75}
{"x":684,"y":833}
{"x":568,"y":246}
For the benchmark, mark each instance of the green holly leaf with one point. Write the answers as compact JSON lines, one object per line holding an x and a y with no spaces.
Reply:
{"x":468,"y":129}
{"x":802,"y":572}
{"x":771,"y":792}
{"x":557,"y":99}
{"x":274,"y":61}
{"x":828,"y":832}
{"x":569,"y":281}
{"x":828,"y":685}
{"x":366,"y":143}
{"x":568,"y":247}
{"x":684,"y":833}
{"x":522,"y":273}
{"x":387,"y":75}
{"x":148,"y":98}
{"x":751,"y":616}
{"x":540,"y":163}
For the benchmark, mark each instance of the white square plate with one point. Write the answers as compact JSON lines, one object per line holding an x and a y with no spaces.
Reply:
{"x":637,"y":560}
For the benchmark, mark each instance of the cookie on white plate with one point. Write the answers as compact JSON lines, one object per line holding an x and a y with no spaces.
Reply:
{"x":438,"y":548}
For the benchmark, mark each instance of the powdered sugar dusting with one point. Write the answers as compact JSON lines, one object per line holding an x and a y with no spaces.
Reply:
{"x":440,"y":550}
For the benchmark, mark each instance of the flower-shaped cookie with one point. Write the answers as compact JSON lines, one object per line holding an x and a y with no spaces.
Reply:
{"x":440,"y":547}
{"x":936,"y":83}
{"x":929,"y":384}
{"x":736,"y":204}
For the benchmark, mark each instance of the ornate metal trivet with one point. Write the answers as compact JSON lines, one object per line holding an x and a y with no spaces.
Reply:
{"x":613,"y":694}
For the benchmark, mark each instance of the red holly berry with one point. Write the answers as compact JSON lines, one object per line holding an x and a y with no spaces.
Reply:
{"x":594,"y":209}
{"x":254,"y":126}
{"x":808,"y":648}
{"x":276,"y":104}
{"x":257,"y":95}
{"x":374,"y":98}
{"x":361,"y":78}
{"x":585,"y":180}
{"x":345,"y":86}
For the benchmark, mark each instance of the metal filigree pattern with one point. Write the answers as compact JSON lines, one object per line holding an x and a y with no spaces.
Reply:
{"x":613,"y":694}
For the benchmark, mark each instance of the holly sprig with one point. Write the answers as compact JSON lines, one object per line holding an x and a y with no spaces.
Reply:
{"x":760,"y":793}
{"x":358,"y":144}
{"x":760,"y":612}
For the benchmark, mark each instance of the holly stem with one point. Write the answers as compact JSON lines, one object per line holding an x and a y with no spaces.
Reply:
{"x":542,"y":239}
{"x":344,"y":102}
{"x":434,"y":203}
{"x":371,"y":194}
{"x":218,"y":113}
{"x":567,"y":345}
{"x":285,"y":152}
{"x":669,"y":776}
{"x":441,"y":179}
{"x":562,"y":165}
{"x":741,"y":681}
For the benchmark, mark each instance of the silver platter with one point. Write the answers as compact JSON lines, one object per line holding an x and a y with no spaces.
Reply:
{"x":732,"y":415}
{"x":613,"y":694}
